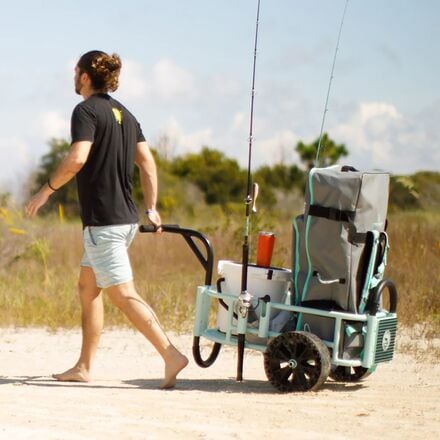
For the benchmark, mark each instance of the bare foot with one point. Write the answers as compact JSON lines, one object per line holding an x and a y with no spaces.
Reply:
{"x":75,"y":374}
{"x":172,"y":368}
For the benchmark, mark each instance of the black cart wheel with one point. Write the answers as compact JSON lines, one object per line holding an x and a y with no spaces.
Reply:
{"x":296,"y":361}
{"x":205,"y":363}
{"x":349,"y":374}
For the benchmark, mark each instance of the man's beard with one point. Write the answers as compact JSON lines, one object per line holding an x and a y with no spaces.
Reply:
{"x":78,"y":87}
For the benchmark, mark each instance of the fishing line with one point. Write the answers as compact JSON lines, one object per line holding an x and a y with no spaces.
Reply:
{"x":329,"y":85}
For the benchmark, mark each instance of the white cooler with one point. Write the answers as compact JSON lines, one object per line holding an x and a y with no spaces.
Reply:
{"x":261,"y":281}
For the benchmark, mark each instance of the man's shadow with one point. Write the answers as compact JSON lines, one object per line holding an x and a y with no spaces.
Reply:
{"x":229,"y":385}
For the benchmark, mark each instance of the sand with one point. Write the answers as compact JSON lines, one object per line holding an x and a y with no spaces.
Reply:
{"x":401,"y":400}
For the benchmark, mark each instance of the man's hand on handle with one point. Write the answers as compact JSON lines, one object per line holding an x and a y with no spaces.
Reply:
{"x":154,"y":218}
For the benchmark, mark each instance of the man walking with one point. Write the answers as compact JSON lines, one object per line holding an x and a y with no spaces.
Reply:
{"x":107,"y":142}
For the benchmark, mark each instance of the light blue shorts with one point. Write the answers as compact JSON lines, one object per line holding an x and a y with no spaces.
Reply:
{"x":106,"y":252}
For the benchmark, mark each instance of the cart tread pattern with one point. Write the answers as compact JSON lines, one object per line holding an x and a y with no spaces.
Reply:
{"x":297,"y":361}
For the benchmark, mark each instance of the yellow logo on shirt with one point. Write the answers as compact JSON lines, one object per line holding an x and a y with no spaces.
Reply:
{"x":118,"y":115}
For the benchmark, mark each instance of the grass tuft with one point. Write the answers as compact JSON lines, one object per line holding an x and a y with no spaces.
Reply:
{"x":39,"y":268}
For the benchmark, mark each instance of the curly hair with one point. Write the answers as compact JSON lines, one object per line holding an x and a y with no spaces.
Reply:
{"x":103,"y":69}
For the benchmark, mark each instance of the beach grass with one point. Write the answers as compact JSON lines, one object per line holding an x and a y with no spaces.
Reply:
{"x":39,"y":267}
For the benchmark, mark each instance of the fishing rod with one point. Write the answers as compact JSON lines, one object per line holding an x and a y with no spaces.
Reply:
{"x":245,"y":297}
{"x":329,"y":86}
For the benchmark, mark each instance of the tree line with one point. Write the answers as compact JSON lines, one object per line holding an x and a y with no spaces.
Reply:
{"x":211,"y":177}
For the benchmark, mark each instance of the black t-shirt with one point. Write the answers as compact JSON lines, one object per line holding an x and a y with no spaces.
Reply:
{"x":105,"y":181}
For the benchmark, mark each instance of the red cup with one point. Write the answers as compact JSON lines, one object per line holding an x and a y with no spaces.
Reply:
{"x":266,"y":241}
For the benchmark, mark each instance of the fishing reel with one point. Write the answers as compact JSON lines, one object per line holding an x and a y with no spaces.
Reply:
{"x":244,"y":303}
{"x":246,"y":306}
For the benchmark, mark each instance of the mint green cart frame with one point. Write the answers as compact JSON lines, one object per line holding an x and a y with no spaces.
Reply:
{"x":295,"y":359}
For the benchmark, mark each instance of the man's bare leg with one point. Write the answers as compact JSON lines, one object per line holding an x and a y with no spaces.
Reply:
{"x":92,"y":323}
{"x":125,"y":297}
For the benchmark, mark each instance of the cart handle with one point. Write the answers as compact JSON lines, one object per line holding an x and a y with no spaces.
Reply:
{"x":207,"y":260}
{"x":377,"y":294}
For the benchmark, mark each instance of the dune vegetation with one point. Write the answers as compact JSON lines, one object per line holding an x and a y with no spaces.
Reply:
{"x":39,"y":267}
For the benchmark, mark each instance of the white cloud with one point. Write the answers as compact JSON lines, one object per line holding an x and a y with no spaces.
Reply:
{"x":185,"y":141}
{"x":169,"y":81}
{"x":222,"y":87}
{"x":133,"y":80}
{"x":51,"y":124}
{"x":379,"y":136}
{"x":15,"y":163}
{"x":166,"y":81}
{"x":20,"y":153}
{"x":277,"y":148}
{"x":369,"y":110}
{"x":239,"y":121}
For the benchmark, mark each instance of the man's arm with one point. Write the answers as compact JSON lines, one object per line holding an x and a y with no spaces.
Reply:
{"x":68,"y":168}
{"x":148,"y":174}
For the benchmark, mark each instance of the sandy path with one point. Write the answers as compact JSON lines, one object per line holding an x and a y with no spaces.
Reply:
{"x":401,"y":400}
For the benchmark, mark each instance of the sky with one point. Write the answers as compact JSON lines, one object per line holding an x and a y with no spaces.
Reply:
{"x":187,"y":77}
